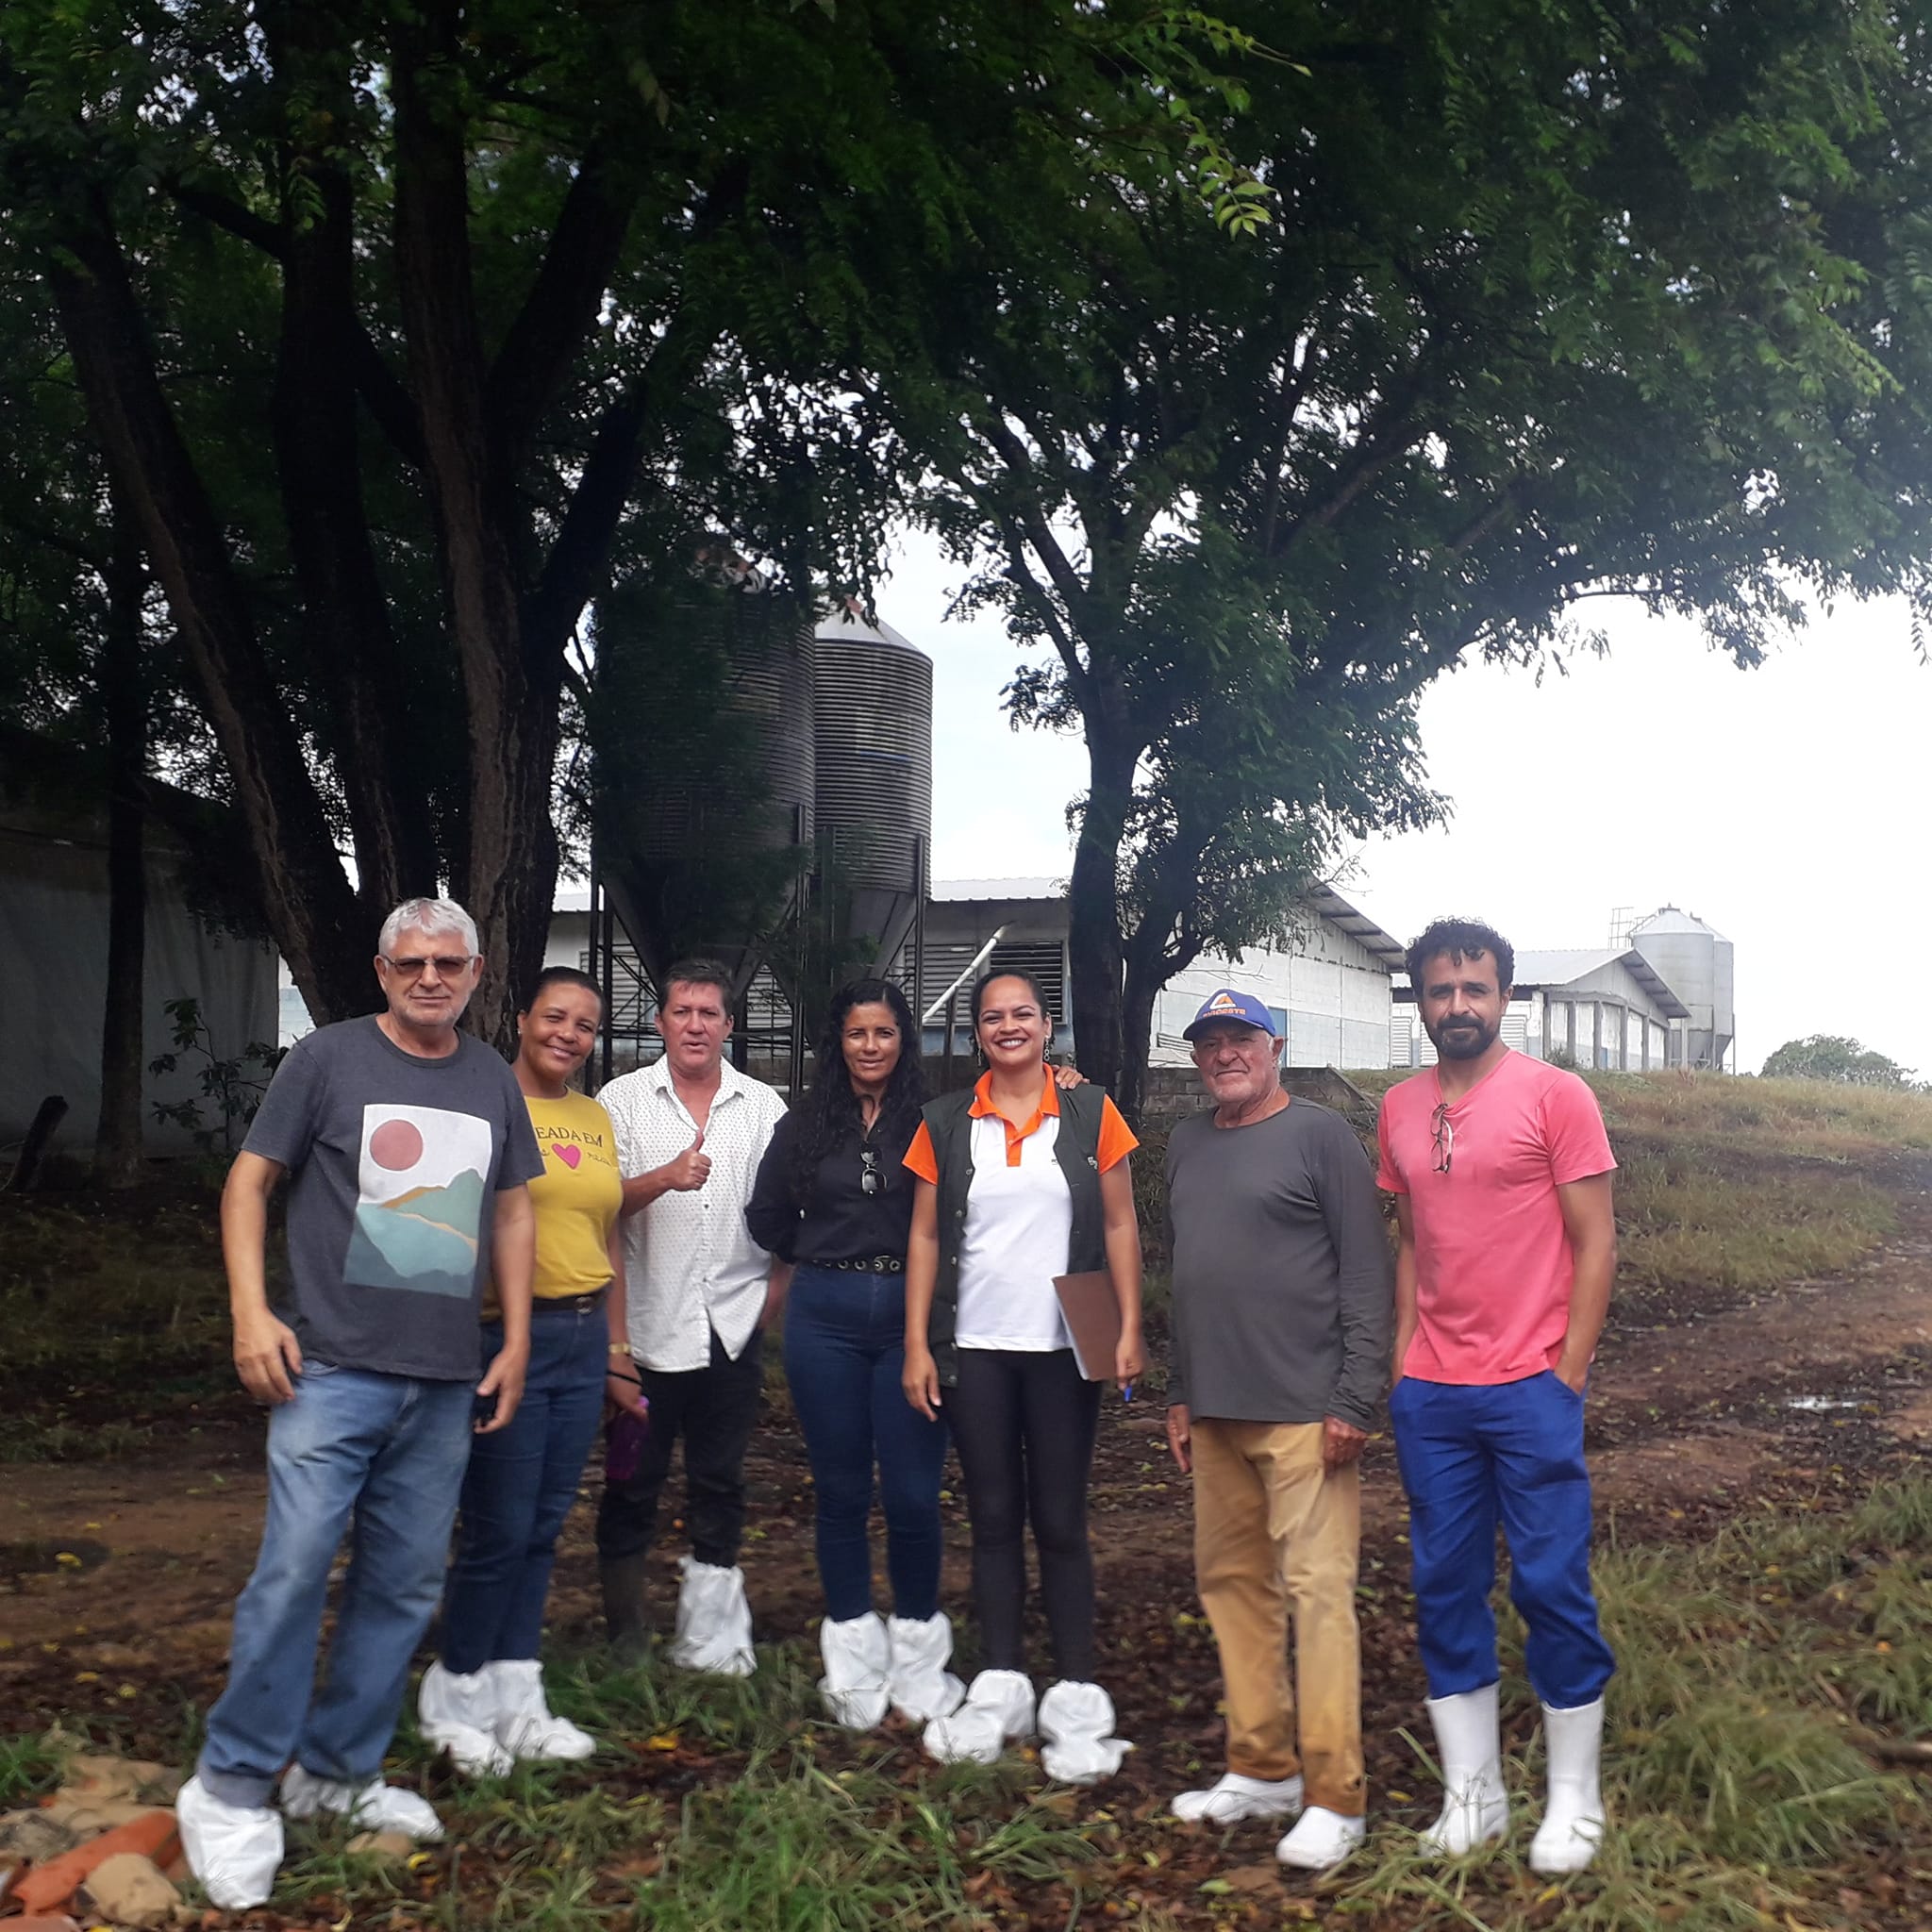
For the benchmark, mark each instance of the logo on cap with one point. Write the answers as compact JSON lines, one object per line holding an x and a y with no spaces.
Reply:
{"x":1230,"y":1004}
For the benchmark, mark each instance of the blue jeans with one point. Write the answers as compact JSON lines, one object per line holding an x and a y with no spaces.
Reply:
{"x":1469,"y":1454}
{"x":382,"y":1458}
{"x":845,"y":1347}
{"x":520,"y":1485}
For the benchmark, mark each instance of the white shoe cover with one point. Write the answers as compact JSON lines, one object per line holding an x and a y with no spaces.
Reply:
{"x":1573,"y":1825}
{"x":526,"y":1729}
{"x":233,"y":1850}
{"x":1077,"y":1722}
{"x":457,"y":1712}
{"x":921,"y":1687}
{"x":714,"y":1630}
{"x":375,"y":1806}
{"x":1475,"y":1806}
{"x":1321,"y":1840}
{"x":998,"y":1706}
{"x":1235,"y":1797}
{"x":855,"y":1653}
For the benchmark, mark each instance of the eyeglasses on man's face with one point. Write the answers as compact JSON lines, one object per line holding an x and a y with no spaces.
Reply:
{"x":448,"y":965}
{"x":1441,"y":1138}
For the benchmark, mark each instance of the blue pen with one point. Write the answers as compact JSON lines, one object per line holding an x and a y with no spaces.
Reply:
{"x":1127,"y":1392}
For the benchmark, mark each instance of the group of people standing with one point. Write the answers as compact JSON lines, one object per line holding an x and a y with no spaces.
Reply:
{"x":483,"y":1262}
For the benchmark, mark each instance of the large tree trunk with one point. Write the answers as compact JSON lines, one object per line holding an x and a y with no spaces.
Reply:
{"x":1136,"y":1023}
{"x":118,"y":1161}
{"x":319,"y":467}
{"x":298,"y":878}
{"x":1094,"y":956}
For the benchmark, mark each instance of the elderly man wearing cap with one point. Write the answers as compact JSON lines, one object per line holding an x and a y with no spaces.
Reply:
{"x":1283,"y":1313}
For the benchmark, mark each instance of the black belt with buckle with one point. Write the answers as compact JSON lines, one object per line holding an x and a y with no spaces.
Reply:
{"x":867,"y":1264}
{"x":567,"y":1304}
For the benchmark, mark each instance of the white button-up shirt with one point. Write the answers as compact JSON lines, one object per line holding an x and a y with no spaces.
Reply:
{"x":689,"y":1264}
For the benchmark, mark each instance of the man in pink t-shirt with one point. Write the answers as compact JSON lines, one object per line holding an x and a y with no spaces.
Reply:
{"x":1501,"y":1172}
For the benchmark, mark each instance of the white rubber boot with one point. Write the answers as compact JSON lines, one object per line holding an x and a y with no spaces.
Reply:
{"x":233,"y":1850}
{"x":1321,"y":1840}
{"x":713,"y":1621}
{"x":1234,"y":1797}
{"x":1076,"y":1725}
{"x":1573,"y":1825}
{"x":998,"y":1706}
{"x":457,"y":1712}
{"x":921,"y":1686}
{"x":526,"y":1728}
{"x":856,"y":1658}
{"x":1469,"y":1742}
{"x":373,"y":1806}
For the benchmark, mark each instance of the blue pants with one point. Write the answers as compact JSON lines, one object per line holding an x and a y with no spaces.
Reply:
{"x":1470,"y":1455}
{"x":845,"y":1348}
{"x":381,"y":1457}
{"x":520,"y":1487}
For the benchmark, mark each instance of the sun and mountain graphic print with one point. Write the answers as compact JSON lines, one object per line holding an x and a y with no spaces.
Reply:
{"x":418,"y":1209}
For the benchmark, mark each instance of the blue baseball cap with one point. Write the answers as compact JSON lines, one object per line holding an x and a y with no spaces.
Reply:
{"x":1242,"y":1007}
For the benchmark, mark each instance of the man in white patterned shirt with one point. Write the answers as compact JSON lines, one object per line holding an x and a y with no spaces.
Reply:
{"x":690,"y":1132}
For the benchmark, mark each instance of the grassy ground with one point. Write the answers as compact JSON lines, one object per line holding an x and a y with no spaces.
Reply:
{"x":1772,"y":1678}
{"x":1756,"y":1672}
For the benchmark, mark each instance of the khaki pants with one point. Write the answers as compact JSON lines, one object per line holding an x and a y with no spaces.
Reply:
{"x":1277,"y":1535}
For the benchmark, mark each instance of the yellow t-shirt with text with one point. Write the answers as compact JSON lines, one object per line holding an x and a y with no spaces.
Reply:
{"x":576,"y":1197}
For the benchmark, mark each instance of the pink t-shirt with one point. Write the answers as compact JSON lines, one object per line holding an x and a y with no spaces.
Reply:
{"x":1494,"y":1264}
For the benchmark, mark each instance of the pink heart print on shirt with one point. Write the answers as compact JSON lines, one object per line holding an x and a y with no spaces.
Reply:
{"x":567,"y":1151}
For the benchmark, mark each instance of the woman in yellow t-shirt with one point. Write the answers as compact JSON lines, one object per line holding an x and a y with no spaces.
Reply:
{"x":484,"y":1698}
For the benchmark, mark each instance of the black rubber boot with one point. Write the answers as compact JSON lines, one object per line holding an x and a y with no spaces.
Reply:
{"x":624,"y":1579}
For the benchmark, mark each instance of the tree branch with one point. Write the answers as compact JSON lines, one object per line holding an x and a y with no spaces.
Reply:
{"x":376,"y":383}
{"x":543,"y":341}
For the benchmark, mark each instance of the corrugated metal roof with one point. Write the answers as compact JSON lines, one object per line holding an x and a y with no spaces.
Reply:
{"x":1325,"y":900}
{"x":1563,"y":968}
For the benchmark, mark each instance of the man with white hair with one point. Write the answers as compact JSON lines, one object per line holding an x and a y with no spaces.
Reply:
{"x":1283,"y":1306}
{"x":408,"y":1147}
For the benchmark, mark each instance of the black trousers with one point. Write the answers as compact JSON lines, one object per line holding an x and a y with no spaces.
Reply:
{"x":1024,"y":1426}
{"x":714,"y":1410}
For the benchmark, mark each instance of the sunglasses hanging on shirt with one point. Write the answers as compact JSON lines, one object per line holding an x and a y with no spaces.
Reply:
{"x":869,"y":1179}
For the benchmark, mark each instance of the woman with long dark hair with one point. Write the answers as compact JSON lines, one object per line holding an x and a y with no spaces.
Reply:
{"x":1018,"y":1183}
{"x":834,"y":1198}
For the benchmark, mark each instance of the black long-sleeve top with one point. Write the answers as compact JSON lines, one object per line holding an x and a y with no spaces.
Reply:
{"x":843,"y":1223}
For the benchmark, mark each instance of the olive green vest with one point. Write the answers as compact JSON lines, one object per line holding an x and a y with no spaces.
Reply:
{"x":1076,"y":1147}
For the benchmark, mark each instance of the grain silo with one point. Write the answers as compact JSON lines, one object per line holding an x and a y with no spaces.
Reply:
{"x":702,"y":721}
{"x":872,"y":724}
{"x":1696,"y":961}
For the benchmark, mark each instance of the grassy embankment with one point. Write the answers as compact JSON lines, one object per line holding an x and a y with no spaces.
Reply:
{"x":1767,"y":1677}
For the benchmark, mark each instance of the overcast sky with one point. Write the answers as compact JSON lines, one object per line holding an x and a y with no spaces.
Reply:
{"x":1787,"y":806}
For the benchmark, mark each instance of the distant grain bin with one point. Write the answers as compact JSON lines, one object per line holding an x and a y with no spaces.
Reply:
{"x":871,"y":725}
{"x":705,"y":761}
{"x":1696,"y":961}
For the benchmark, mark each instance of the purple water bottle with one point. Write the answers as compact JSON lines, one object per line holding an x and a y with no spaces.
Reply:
{"x":624,"y":1444}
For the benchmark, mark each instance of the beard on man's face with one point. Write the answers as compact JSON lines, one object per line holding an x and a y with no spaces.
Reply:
{"x":1463,"y":1038}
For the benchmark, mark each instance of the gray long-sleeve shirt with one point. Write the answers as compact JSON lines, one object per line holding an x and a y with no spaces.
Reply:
{"x":1284,"y":1301}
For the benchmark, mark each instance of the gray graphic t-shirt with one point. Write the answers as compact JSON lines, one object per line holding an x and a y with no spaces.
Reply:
{"x":394,"y":1164}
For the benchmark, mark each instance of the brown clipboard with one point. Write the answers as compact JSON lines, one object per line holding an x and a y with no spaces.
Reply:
{"x":1092,"y":1312}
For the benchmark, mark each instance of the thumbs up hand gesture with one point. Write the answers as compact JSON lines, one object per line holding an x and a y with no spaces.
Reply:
{"x":691,"y":1168}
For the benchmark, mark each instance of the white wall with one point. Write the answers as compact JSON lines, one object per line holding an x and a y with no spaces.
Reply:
{"x":1329,"y":988}
{"x":54,"y":970}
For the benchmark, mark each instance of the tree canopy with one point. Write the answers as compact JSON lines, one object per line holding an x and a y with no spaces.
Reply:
{"x":1555,"y":302}
{"x":1835,"y":1057}
{"x":1266,"y":364}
